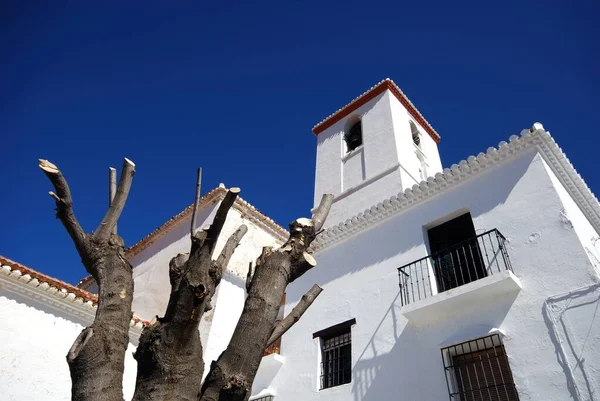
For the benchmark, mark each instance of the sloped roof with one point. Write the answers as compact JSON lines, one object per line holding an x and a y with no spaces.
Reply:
{"x":214,"y":196}
{"x":50,"y":286}
{"x":386,"y":84}
{"x":210,"y":198}
{"x":536,"y":137}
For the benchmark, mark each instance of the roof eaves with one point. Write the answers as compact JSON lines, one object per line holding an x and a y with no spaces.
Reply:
{"x":215,"y":195}
{"x":386,"y":84}
{"x":31,"y":279}
{"x":465,"y":169}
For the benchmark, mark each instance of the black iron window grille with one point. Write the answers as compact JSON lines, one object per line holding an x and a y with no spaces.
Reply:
{"x":336,"y":354}
{"x":336,"y":361}
{"x":467,"y":261}
{"x":265,"y":398}
{"x":478,"y":370}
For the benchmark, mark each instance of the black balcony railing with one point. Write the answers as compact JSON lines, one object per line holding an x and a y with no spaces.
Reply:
{"x":460,"y":264}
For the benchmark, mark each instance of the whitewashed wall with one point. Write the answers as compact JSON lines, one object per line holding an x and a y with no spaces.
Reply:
{"x":151,"y":266}
{"x":396,"y":359}
{"x":34,"y":341}
{"x":385,"y":165}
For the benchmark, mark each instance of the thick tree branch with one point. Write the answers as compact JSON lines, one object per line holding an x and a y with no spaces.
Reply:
{"x":232,"y":242}
{"x":221,"y":216}
{"x":105,"y":228}
{"x":296,"y":313}
{"x":230,"y":380}
{"x":249,"y":278}
{"x":169,"y":353}
{"x":64,"y":203}
{"x":196,"y":201}
{"x":322,"y":211}
{"x":112,"y":190}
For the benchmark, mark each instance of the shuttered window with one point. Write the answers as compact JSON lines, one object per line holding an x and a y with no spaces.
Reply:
{"x":478,"y":370}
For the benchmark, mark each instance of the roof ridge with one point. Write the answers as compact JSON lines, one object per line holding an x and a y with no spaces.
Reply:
{"x":369,"y":94}
{"x":212,"y":196}
{"x":457,"y":173}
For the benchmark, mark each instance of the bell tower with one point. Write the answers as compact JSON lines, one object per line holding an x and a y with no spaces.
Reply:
{"x":375,"y":147}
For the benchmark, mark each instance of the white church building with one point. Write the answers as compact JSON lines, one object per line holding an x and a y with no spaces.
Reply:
{"x":479,"y":281}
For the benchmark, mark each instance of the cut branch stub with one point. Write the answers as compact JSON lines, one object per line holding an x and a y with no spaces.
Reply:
{"x":64,"y":204}
{"x":305,"y":302}
{"x":112,"y":190}
{"x":221,"y":216}
{"x":322,"y":211}
{"x":105,"y":228}
{"x":196,"y":201}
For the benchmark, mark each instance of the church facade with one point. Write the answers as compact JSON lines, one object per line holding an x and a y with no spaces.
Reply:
{"x":478,"y":281}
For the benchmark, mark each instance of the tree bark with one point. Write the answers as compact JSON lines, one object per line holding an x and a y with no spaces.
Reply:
{"x":295,"y":315}
{"x":96,"y":359}
{"x":169,"y":353}
{"x":231,"y":376}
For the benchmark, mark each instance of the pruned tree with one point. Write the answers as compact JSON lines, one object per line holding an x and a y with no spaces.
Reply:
{"x":169,"y":354}
{"x":96,"y":359}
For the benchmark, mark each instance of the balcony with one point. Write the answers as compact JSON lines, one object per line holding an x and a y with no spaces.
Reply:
{"x":464,"y":273}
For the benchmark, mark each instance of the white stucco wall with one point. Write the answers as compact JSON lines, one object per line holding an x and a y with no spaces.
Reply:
{"x":572,"y":217}
{"x":229,"y":303}
{"x":151,"y":266}
{"x":384,"y":165}
{"x":393,"y":358}
{"x":34,"y":341}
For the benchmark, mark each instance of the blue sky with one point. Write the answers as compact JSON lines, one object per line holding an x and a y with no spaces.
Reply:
{"x":237,"y":88}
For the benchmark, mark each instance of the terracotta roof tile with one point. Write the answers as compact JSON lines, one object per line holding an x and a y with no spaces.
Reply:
{"x":386,"y":84}
{"x":43,"y":281}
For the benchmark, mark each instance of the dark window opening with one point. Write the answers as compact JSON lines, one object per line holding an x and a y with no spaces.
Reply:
{"x":415,"y":134}
{"x":455,"y":253}
{"x":353,"y":137}
{"x":478,"y":370}
{"x":265,"y":398}
{"x":416,"y":138}
{"x":336,"y":354}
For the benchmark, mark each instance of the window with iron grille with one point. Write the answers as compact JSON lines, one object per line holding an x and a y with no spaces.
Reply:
{"x":336,"y":354}
{"x":265,"y":398}
{"x":478,"y":370}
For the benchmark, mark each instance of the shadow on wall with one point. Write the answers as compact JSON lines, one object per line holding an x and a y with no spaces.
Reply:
{"x":416,"y":352}
{"x":574,"y":327}
{"x":402,"y":237}
{"x":373,"y":366}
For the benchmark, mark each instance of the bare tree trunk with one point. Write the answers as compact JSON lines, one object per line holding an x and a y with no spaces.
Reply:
{"x":169,"y":353}
{"x":231,"y":376}
{"x":96,"y":359}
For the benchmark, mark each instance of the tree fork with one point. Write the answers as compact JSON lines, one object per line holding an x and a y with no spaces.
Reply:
{"x":231,"y":376}
{"x":96,"y":359}
{"x":169,"y":353}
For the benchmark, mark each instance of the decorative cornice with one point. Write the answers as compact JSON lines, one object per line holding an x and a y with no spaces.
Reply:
{"x":34,"y":285}
{"x":536,"y":137}
{"x":386,"y":84}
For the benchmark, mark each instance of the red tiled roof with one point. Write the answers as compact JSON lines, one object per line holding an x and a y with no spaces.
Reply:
{"x":386,"y":84}
{"x":53,"y":282}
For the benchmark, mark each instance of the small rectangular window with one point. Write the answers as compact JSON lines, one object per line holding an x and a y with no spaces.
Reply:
{"x":265,"y":398}
{"x":478,"y":370}
{"x":336,"y":354}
